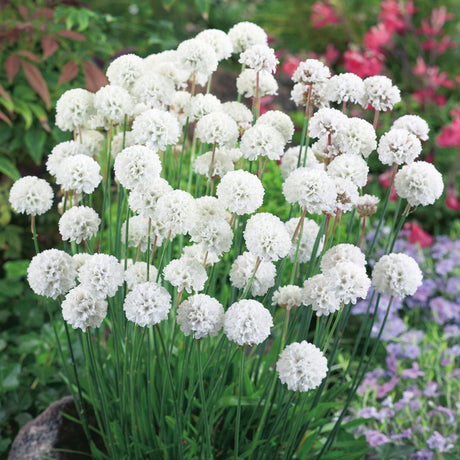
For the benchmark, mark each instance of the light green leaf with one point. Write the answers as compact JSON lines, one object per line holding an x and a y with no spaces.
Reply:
{"x":7,"y":167}
{"x":16,"y":268}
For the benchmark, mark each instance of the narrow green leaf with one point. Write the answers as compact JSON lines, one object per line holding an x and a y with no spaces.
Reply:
{"x":8,"y":168}
{"x":35,"y":143}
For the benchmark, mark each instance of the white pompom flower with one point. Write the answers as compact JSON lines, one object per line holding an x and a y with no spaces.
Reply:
{"x":176,"y":212}
{"x":136,"y":167}
{"x":243,"y":270}
{"x":82,"y":310}
{"x":380,"y":93}
{"x":246,"y":34}
{"x":260,"y":58}
{"x":247,"y":322}
{"x":91,"y":140}
{"x":143,"y":200}
{"x":317,"y":292}
{"x":397,"y":275}
{"x":349,"y":281}
{"x":147,"y":304}
{"x":74,"y":109}
{"x":347,"y":194}
{"x":312,"y":189}
{"x":198,"y":58}
{"x":221,"y":164}
{"x":51,"y":273}
{"x":202,"y":105}
{"x":31,"y":195}
{"x":200,"y":315}
{"x":136,"y":273}
{"x":156,"y":129}
{"x":420,"y":183}
{"x":80,"y":174}
{"x":414,"y":124}
{"x":346,"y":87}
{"x":398,"y":146}
{"x":112,"y":103}
{"x":266,"y":236}
{"x":327,"y":122}
{"x":291,"y":157}
{"x":219,"y":41}
{"x":311,"y":71}
{"x":79,"y":223}
{"x":138,"y":233}
{"x":280,"y":121}
{"x":125,"y":70}
{"x":262,"y":140}
{"x":351,"y":167}
{"x":219,"y":128}
{"x":154,"y":89}
{"x":340,"y":253}
{"x":102,"y":274}
{"x":240,"y":192}
{"x":359,"y":138}
{"x":215,"y":235}
{"x":62,"y":151}
{"x":288,"y":296}
{"x":185,"y":274}
{"x":302,"y":366}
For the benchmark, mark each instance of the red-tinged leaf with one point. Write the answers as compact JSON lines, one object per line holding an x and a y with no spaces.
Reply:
{"x":71,"y":35}
{"x":29,"y":55}
{"x":44,"y":13}
{"x":36,"y":81}
{"x":11,"y":67}
{"x":94,"y":77}
{"x":5,"y":94}
{"x":4,"y":118}
{"x":69,"y":72}
{"x":23,"y":11}
{"x":49,"y":45}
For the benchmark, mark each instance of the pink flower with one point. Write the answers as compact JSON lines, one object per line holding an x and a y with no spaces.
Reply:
{"x":364,"y":64}
{"x":452,"y":201}
{"x":394,"y":17}
{"x":377,"y":37}
{"x":290,"y":64}
{"x":417,"y":235}
{"x":322,"y":15}
{"x":450,"y":135}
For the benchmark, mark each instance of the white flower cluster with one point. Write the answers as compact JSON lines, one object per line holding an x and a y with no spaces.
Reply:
{"x":31,"y":195}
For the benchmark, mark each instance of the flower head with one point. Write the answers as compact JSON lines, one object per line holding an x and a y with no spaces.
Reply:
{"x":80,"y":174}
{"x":280,"y":121}
{"x":31,"y":195}
{"x":302,"y":366}
{"x":185,"y":273}
{"x":318,"y":293}
{"x":217,"y":127}
{"x":346,"y":87}
{"x":112,"y":103}
{"x":247,"y":322}
{"x":398,"y":146}
{"x":262,"y":140}
{"x":246,"y":34}
{"x":246,"y":83}
{"x":266,"y":237}
{"x":79,"y":223}
{"x":420,"y":183}
{"x":219,"y":41}
{"x":147,"y":304}
{"x":288,"y":296}
{"x":396,"y":274}
{"x":62,"y":151}
{"x":311,"y":71}
{"x":74,"y":109}
{"x":125,"y":70}
{"x":136,"y":273}
{"x":82,"y":310}
{"x":414,"y":124}
{"x":260,"y":58}
{"x":380,"y":92}
{"x":240,"y":192}
{"x":200,"y":315}
{"x":351,"y":167}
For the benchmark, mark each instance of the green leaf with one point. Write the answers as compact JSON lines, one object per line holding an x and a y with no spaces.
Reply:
{"x":24,"y":111}
{"x":16,"y":268}
{"x":168,"y":3}
{"x":35,"y":143}
{"x":10,"y":289}
{"x":202,"y":6}
{"x":9,"y":376}
{"x":394,"y":451}
{"x":7,"y":167}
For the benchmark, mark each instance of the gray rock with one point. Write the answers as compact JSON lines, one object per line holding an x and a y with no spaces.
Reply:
{"x":51,"y":431}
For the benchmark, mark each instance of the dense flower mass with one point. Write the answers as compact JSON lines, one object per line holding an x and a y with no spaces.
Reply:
{"x":396,"y":274}
{"x":200,"y":315}
{"x":301,"y":366}
{"x":51,"y":273}
{"x":31,"y":195}
{"x":247,"y":322}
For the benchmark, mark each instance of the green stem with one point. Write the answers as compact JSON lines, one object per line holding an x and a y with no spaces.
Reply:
{"x":238,"y":409}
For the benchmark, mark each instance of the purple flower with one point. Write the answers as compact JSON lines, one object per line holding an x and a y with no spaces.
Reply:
{"x":438,"y":442}
{"x":404,"y":435}
{"x":430,"y":389}
{"x":423,"y":293}
{"x":452,"y":331}
{"x":453,"y":286}
{"x":386,"y":387}
{"x":369,"y":412}
{"x":413,"y":372}
{"x":445,"y":266}
{"x":392,"y":363}
{"x":375,"y":438}
{"x":454,"y":351}
{"x":411,"y":351}
{"x":395,"y":349}
{"x":444,"y":310}
{"x":424,"y":454}
{"x":393,"y":328}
